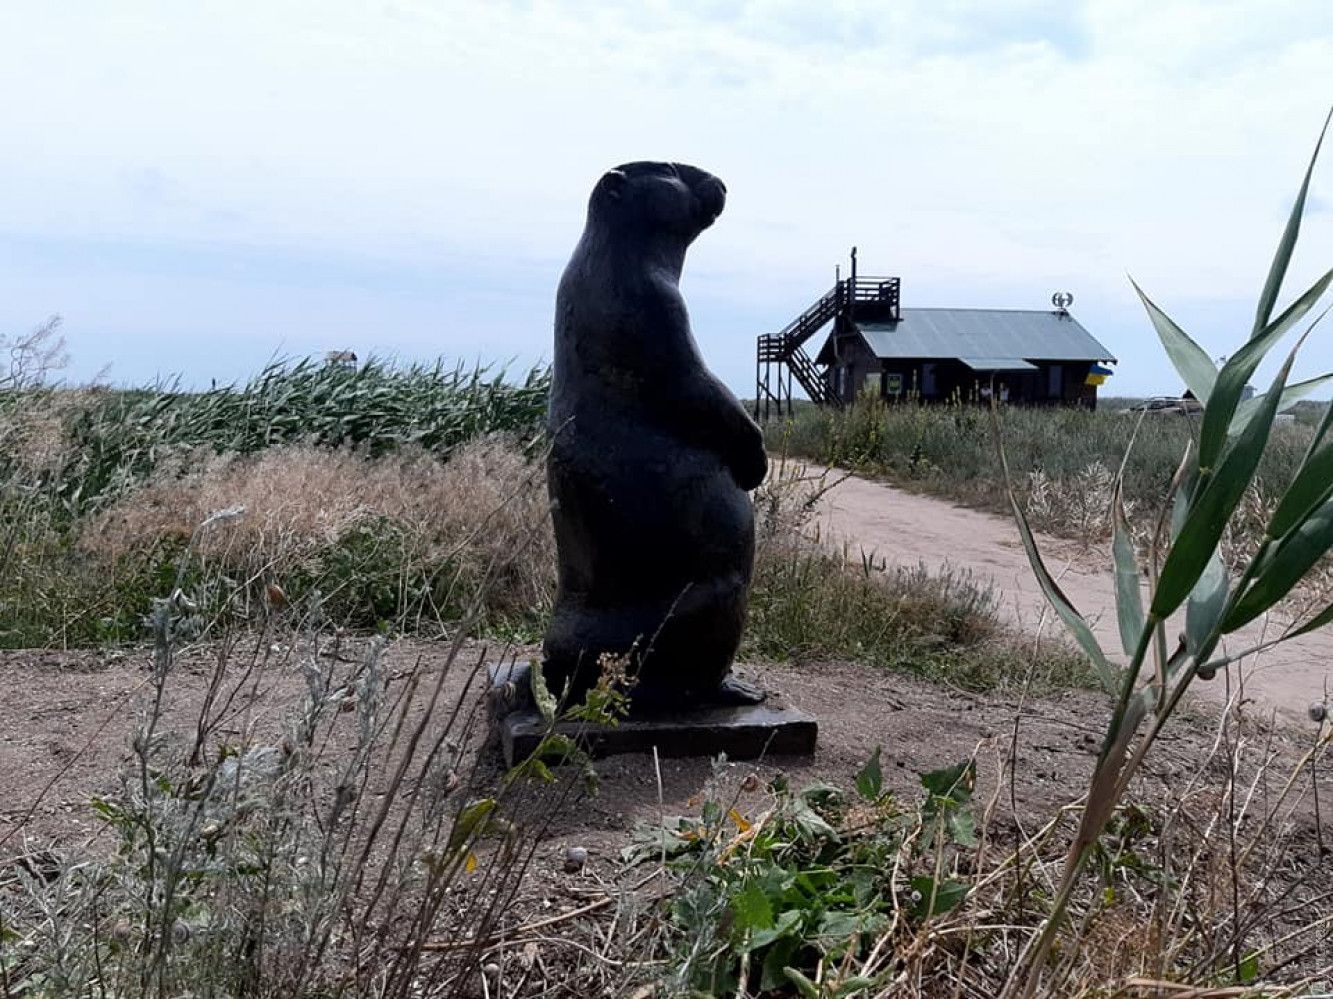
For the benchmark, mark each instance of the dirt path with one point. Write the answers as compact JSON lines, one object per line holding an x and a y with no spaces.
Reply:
{"x":905,"y":528}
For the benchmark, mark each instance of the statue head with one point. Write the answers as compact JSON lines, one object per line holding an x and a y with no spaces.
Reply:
{"x":667,"y":199}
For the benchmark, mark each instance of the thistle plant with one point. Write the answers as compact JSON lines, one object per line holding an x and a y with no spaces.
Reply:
{"x":1184,"y":566}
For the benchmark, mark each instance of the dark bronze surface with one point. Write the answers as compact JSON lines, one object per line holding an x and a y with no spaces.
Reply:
{"x":651,"y":457}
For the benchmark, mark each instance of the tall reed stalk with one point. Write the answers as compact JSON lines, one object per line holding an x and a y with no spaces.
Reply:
{"x":1184,"y":566}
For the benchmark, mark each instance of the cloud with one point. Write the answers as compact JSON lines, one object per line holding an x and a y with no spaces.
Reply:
{"x":988,"y":154}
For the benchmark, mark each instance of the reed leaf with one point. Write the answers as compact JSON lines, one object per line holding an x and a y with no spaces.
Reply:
{"x":1215,"y":501}
{"x":1313,"y":624}
{"x":1309,"y":490}
{"x":1278,"y":270}
{"x":1290,"y":396}
{"x":1128,"y":594}
{"x":1235,"y":375}
{"x":1206,"y":603}
{"x":1296,"y":554}
{"x":1064,"y":608}
{"x":1191,"y":361}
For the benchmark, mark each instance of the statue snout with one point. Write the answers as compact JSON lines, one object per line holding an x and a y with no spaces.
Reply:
{"x":712,"y":195}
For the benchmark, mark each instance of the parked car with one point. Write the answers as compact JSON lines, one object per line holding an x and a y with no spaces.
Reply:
{"x":1166,"y":405}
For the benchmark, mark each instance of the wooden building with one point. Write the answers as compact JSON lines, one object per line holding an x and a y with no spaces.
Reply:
{"x":1024,"y":357}
{"x":1020,"y":356}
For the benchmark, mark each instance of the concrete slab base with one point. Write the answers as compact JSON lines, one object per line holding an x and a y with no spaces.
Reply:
{"x":743,"y":733}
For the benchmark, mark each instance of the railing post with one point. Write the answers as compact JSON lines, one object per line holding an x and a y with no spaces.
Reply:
{"x":758,"y":366}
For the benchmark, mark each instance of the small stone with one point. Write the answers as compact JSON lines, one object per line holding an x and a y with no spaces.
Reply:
{"x":1207,"y":672}
{"x":1318,"y":711}
{"x":491,"y":971}
{"x":575,"y":859}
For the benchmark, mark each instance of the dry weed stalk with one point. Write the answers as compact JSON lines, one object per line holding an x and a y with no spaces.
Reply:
{"x":32,"y":356}
{"x":287,"y":855}
{"x":1162,"y":918}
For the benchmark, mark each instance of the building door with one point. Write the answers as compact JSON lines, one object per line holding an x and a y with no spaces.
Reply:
{"x":1055,"y":381}
{"x":927,"y":381}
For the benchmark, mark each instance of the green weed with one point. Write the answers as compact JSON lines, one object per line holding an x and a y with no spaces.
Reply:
{"x":802,"y":896}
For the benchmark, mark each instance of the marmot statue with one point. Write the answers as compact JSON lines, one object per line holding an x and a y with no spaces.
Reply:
{"x":651,"y":457}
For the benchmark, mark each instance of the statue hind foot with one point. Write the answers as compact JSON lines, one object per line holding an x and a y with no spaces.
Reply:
{"x":733,"y":692}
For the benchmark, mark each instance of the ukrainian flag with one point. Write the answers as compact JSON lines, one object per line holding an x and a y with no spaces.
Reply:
{"x":1097,"y":375}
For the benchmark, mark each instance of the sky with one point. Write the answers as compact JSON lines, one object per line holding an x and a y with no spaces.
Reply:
{"x":197,"y":188}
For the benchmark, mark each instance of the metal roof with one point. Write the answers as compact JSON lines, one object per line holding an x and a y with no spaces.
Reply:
{"x":997,"y":364}
{"x":984,"y":334}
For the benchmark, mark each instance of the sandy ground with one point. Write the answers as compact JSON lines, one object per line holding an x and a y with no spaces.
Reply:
{"x":905,"y":528}
{"x":68,"y":717}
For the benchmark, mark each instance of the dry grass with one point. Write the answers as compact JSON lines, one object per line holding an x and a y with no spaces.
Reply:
{"x":1063,"y":459}
{"x":483,"y":511}
{"x":1205,"y":877}
{"x":310,"y":496}
{"x":33,"y":435}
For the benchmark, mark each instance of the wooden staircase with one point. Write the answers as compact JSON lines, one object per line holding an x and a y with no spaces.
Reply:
{"x":781,"y":357}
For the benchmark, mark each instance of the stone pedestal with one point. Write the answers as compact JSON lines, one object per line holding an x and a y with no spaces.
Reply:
{"x":743,"y":733}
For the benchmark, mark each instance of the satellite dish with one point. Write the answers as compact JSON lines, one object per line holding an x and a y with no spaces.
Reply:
{"x":1062,"y":300}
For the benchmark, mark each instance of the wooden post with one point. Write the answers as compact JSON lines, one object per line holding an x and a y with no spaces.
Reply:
{"x":850,"y":307}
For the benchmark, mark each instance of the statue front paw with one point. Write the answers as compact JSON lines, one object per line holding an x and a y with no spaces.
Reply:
{"x":749,"y":470}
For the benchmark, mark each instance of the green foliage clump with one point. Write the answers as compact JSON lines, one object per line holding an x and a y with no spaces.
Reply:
{"x":807,"y":602}
{"x":368,"y":575}
{"x":808,"y":895}
{"x":53,"y":595}
{"x":115,"y":439}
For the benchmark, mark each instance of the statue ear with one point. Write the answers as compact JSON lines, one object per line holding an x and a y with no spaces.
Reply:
{"x":612,"y":184}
